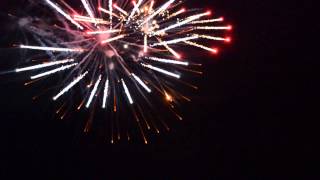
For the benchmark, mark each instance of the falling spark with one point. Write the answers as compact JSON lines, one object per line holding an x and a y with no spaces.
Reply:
{"x":110,"y":14}
{"x":87,"y":7}
{"x":120,"y":9}
{"x":161,"y":70}
{"x":215,"y":38}
{"x":51,"y":48}
{"x":136,"y":8}
{"x":105,"y":94}
{"x":145,"y":46}
{"x":90,"y":20}
{"x":175,"y":41}
{"x":93,"y":92}
{"x":104,"y":32}
{"x":201,"y":46}
{"x":64,"y":14}
{"x":169,"y":61}
{"x":127,"y":91}
{"x":112,"y":39}
{"x":177,"y":13}
{"x":172,"y":51}
{"x":67,"y":88}
{"x":110,"y":9}
{"x":39,"y":66}
{"x":62,"y":68}
{"x":214,"y":27}
{"x":141,"y":83}
{"x":208,"y":21}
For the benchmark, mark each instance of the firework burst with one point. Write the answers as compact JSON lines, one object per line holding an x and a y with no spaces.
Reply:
{"x":121,"y":48}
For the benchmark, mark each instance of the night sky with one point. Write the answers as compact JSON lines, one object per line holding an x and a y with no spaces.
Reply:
{"x":253,"y":115}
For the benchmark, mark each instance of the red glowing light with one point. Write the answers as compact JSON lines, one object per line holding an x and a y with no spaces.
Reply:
{"x":228,"y":39}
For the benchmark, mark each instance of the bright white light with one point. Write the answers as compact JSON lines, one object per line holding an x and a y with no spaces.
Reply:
{"x":127,"y":91}
{"x":93,"y":92}
{"x":51,"y":48}
{"x":161,"y":70}
{"x":105,"y":94}
{"x":104,"y":32}
{"x":112,"y":39}
{"x":64,"y":14}
{"x":201,"y":46}
{"x":213,"y":38}
{"x":141,"y":83}
{"x":120,"y":9}
{"x":110,"y":9}
{"x":145,"y":44}
{"x":213,"y":27}
{"x":169,"y":61}
{"x":39,"y":66}
{"x":175,"y":40}
{"x":53,"y":71}
{"x":88,"y":8}
{"x":136,"y":8}
{"x":67,"y":88}
{"x":207,"y":21}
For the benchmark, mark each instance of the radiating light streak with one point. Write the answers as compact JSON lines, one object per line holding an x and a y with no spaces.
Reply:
{"x":161,"y":70}
{"x":162,"y":8}
{"x":172,"y":51}
{"x":91,"y":20}
{"x":104,"y":32}
{"x":145,"y":46}
{"x":151,"y":6}
{"x":177,"y":13}
{"x":175,"y":40}
{"x":88,"y":8}
{"x":67,"y":88}
{"x":62,"y":68}
{"x":141,"y":83}
{"x":120,"y":9}
{"x":105,"y":94}
{"x":127,"y":91}
{"x":39,"y":66}
{"x":136,"y":8}
{"x":215,"y":38}
{"x":186,"y":21}
{"x":214,"y":27}
{"x":169,"y":61}
{"x":208,"y":21}
{"x":51,"y":48}
{"x":112,"y":39}
{"x":201,"y":46}
{"x":110,"y":13}
{"x":64,"y":14}
{"x":93,"y":92}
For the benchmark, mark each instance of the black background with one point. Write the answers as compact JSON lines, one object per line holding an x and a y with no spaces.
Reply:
{"x":255,"y":114}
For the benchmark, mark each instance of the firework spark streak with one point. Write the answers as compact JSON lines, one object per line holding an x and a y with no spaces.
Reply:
{"x":39,"y":66}
{"x":93,"y":92}
{"x":118,"y":51}
{"x":105,"y":94}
